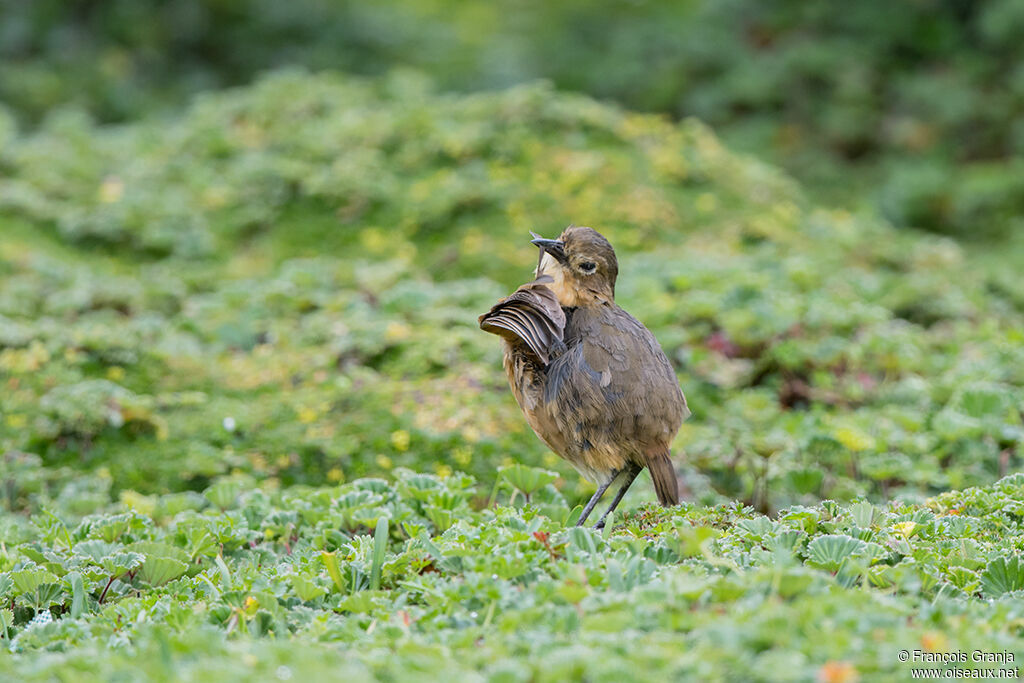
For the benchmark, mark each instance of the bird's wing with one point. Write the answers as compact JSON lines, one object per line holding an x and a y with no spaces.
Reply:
{"x":531,"y":315}
{"x":632,"y":363}
{"x":615,"y":374}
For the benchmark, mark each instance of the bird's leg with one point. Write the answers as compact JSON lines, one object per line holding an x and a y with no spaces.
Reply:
{"x":595,"y":498}
{"x":632,"y":470}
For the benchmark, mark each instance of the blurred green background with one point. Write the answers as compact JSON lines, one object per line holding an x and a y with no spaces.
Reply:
{"x":914,"y":107}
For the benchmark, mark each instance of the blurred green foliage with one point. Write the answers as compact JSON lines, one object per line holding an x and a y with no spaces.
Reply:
{"x":918,"y":102}
{"x":284,"y":281}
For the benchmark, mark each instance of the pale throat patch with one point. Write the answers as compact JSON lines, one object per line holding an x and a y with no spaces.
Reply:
{"x":567,"y":295}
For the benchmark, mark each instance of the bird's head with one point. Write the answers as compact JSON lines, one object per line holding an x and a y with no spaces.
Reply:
{"x":581,"y":264}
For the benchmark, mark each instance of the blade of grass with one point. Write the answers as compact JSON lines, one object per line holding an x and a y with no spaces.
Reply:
{"x":380,"y":542}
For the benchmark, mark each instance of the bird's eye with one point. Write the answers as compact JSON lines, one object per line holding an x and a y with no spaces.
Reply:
{"x":588,"y":267}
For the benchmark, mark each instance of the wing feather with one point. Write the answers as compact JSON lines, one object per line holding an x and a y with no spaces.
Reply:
{"x":531,"y":315}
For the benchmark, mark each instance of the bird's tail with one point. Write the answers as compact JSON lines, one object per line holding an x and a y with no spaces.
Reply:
{"x":664,"y":477}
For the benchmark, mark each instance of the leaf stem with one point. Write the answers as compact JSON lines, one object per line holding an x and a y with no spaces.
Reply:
{"x":103,"y":595}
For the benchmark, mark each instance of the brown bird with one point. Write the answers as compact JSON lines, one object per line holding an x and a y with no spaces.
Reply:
{"x":593,"y":382}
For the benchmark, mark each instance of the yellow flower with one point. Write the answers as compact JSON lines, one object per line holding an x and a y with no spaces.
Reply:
{"x":138,"y":502}
{"x":214,"y":197}
{"x":905,"y":529}
{"x":374,"y":239}
{"x":706,"y":202}
{"x":397,"y":331}
{"x":400,"y":440}
{"x":462,"y":456}
{"x":111,"y":190}
{"x":472,"y":243}
{"x":854,"y":439}
{"x":251,"y":605}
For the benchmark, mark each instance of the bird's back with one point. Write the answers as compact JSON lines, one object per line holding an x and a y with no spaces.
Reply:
{"x":612,"y":396}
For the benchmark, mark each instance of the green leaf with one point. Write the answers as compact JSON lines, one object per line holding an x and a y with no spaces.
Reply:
{"x":223,"y":494}
{"x":452,"y":564}
{"x":985,"y":401}
{"x":28,"y":580}
{"x":584,"y":539}
{"x":831,"y":552}
{"x":45,"y":595}
{"x":863,"y":514}
{"x":441,"y":518}
{"x":330,"y":561}
{"x":786,"y":541}
{"x":573,"y":516}
{"x":693,"y":541}
{"x":529,"y":480}
{"x":34,"y":555}
{"x":95,"y":549}
{"x":224,"y":571}
{"x":609,"y":523}
{"x":963,"y":578}
{"x":77,"y":594}
{"x":119,"y":564}
{"x":111,"y":528}
{"x":1003,"y":575}
{"x":951,"y":425}
{"x":419,"y":486}
{"x":806,"y":480}
{"x":354,"y":500}
{"x":201,"y":543}
{"x":306,"y":588}
{"x":363,"y":601}
{"x":156,"y":571}
{"x":758,"y":527}
{"x":157,"y":549}
{"x":794,"y":582}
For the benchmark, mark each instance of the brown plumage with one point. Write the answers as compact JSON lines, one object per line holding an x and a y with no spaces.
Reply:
{"x":591,"y":380}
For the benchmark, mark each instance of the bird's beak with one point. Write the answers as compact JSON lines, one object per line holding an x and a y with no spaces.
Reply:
{"x":554,"y":247}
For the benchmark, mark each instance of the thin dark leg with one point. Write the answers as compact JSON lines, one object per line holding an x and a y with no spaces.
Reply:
{"x":631,"y":474}
{"x":594,"y":499}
